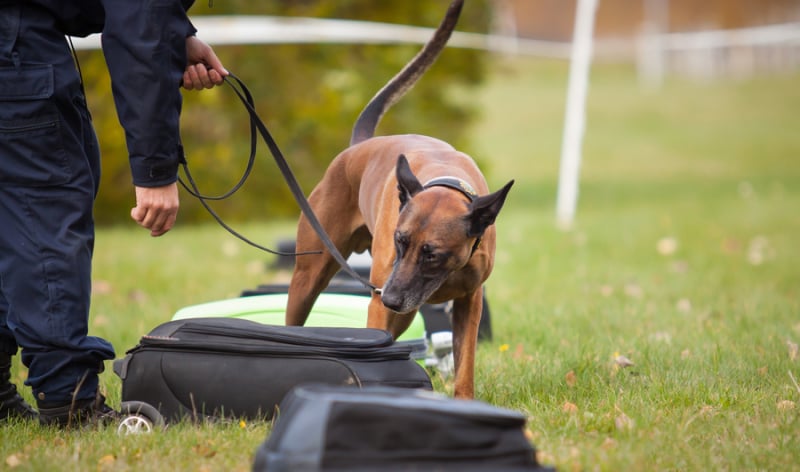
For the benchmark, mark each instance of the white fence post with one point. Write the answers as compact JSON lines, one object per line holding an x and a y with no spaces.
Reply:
{"x":575,"y":117}
{"x":650,"y":46}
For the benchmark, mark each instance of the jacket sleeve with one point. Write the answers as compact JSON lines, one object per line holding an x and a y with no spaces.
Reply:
{"x":144,"y":43}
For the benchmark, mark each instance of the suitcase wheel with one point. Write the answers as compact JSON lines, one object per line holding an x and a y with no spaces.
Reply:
{"x":139,"y":417}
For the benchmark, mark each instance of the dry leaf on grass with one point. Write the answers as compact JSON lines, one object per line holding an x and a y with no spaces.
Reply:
{"x":14,"y":460}
{"x":792,"y":350}
{"x":786,"y":405}
{"x":568,"y":407}
{"x":101,"y":287}
{"x":530,"y":435}
{"x":519,"y":353}
{"x":661,"y":336}
{"x":106,"y":462}
{"x":571,"y":379}
{"x":622,"y":361}
{"x":623,"y":422}
{"x":759,"y":251}
{"x":684,"y":305}
{"x":679,"y":267}
{"x":667,"y":246}
{"x":634,"y":290}
{"x":609,"y":443}
{"x":204,"y":450}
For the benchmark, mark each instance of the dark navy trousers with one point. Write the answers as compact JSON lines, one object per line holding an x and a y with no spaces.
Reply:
{"x":49,"y":174}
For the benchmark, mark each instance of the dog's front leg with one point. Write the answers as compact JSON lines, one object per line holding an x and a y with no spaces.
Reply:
{"x":380,"y":317}
{"x":466,"y":320}
{"x":377,"y":314}
{"x":312,"y":272}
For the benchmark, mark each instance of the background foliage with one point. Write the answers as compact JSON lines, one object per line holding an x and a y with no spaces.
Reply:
{"x":308,"y":95}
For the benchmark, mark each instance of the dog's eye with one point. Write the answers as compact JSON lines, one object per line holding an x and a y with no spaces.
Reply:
{"x":400,"y":244}
{"x":428,"y":255}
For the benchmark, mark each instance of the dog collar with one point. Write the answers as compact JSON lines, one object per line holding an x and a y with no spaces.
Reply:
{"x":455,"y":183}
{"x":461,"y":186}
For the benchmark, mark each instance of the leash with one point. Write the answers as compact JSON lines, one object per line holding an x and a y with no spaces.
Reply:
{"x":257,"y":126}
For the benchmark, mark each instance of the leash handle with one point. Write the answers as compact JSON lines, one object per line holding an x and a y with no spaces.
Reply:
{"x":246,"y":98}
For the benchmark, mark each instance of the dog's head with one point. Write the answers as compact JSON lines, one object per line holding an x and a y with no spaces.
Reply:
{"x":436,"y":235}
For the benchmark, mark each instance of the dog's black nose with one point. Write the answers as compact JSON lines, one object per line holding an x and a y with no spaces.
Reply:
{"x":392,"y":302}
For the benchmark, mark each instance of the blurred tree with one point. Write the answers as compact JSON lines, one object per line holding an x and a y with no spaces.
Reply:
{"x":308,"y":95}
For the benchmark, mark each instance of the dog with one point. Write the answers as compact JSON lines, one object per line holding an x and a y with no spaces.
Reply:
{"x":422,"y":209}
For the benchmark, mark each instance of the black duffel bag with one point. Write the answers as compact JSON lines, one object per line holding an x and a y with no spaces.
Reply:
{"x":334,"y":428}
{"x":229,"y":367}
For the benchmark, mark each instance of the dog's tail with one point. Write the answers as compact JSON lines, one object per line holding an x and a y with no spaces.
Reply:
{"x":405,"y":79}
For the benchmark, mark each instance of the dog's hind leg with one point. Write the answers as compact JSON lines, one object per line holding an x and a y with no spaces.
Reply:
{"x":313,"y":272}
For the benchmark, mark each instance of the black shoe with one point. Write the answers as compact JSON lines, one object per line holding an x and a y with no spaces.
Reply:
{"x":11,"y":403}
{"x":13,"y":406}
{"x":93,"y":412}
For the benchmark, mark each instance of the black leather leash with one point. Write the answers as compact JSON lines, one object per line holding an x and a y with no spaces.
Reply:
{"x":256,"y":124}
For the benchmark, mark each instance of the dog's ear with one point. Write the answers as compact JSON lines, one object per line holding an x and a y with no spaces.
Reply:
{"x":407,"y":183}
{"x":484,"y":210}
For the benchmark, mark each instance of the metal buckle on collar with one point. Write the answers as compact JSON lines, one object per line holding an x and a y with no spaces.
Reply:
{"x":454,"y":183}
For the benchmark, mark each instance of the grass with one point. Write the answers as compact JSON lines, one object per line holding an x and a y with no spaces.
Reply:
{"x":683,"y":259}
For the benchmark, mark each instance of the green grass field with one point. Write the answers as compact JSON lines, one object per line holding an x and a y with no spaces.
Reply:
{"x":683,"y":260}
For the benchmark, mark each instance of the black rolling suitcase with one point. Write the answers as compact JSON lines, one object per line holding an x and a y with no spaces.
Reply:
{"x":333,"y":428}
{"x":229,"y":367}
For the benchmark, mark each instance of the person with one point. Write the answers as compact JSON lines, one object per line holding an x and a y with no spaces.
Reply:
{"x":49,"y":174}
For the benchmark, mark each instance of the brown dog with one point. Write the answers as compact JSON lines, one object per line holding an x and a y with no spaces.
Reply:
{"x":421,"y":208}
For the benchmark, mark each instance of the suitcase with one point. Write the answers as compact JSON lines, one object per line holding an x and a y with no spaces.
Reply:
{"x":334,"y":428}
{"x":237,"y":368}
{"x":331,"y":309}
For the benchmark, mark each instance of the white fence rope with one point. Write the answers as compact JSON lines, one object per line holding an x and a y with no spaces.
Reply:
{"x":229,"y":30}
{"x":722,"y":53}
{"x":703,"y":54}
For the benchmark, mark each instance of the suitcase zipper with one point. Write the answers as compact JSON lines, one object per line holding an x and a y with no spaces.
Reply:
{"x":364,"y":354}
{"x":279,"y":337}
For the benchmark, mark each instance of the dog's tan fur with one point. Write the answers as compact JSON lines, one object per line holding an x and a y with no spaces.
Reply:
{"x":428,"y":244}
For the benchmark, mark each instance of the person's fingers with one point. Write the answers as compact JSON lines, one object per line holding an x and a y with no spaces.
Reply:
{"x":205,"y":70}
{"x":158,"y":222}
{"x":162,"y":223}
{"x":198,"y":77}
{"x":187,"y":80}
{"x":195,"y":81}
{"x":156,"y":208}
{"x":137,"y":214}
{"x":202,"y":74}
{"x":216,"y":66}
{"x":215,"y":77}
{"x":190,"y":78}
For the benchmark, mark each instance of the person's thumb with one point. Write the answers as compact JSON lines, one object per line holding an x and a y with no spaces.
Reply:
{"x":137,"y":214}
{"x":214,"y":62}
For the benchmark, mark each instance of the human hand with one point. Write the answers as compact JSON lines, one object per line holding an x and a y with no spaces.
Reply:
{"x":156,"y":208}
{"x":204,"y":69}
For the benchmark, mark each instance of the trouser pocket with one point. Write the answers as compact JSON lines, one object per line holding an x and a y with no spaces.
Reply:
{"x":31,"y":146}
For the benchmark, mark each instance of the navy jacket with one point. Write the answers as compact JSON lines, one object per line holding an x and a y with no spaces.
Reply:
{"x":144,"y":43}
